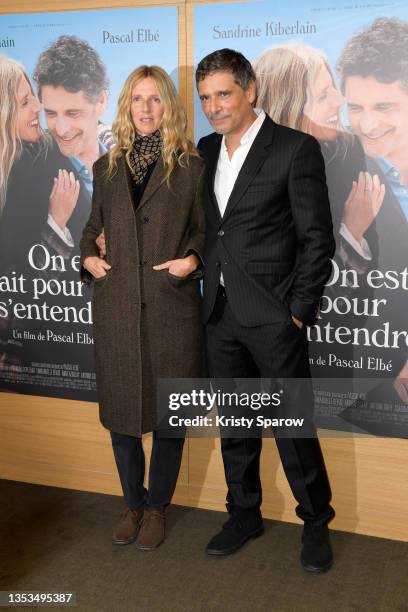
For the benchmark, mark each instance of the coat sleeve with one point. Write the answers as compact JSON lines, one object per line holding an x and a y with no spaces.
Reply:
{"x":196,"y":235}
{"x":312,"y":218}
{"x":93,"y":227}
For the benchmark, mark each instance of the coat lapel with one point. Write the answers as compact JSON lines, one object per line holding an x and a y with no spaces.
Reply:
{"x":127,"y":181}
{"x":157,"y":178}
{"x":257,"y":154}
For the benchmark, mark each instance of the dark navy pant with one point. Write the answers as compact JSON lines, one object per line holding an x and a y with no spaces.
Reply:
{"x":164,"y":468}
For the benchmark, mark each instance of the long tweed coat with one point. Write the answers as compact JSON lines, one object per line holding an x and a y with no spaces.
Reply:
{"x":146,"y":323}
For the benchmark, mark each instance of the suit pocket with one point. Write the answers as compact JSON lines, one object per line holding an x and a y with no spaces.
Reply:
{"x":296,"y":327}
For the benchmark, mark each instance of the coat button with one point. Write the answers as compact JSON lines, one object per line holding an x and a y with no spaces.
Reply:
{"x":221,"y":233}
{"x":142,"y":262}
{"x":218,"y":263}
{"x":145,"y":219}
{"x":142,"y":305}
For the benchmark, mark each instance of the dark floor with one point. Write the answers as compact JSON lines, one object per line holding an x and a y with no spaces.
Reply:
{"x":59,"y":540}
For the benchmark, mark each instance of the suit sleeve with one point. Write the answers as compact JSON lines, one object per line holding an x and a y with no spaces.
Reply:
{"x":196,"y":237}
{"x":24,"y":219}
{"x":312,"y":218}
{"x":93,"y":227}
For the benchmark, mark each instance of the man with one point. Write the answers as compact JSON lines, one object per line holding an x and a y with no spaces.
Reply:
{"x":73,"y":87}
{"x":374,"y":73}
{"x":268,"y":248}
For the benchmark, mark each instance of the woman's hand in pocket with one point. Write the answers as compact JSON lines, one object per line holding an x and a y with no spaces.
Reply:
{"x":180,"y":267}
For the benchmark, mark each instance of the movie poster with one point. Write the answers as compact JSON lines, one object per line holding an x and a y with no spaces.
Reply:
{"x":55,"y":123}
{"x":339,"y":71}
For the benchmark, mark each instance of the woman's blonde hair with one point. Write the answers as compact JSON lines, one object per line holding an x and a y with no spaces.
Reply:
{"x":285,"y":76}
{"x":11,"y":73}
{"x":176,"y":146}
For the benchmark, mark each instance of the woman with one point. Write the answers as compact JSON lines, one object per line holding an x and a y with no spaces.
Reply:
{"x":297,"y":89}
{"x":147,"y":197}
{"x":20,"y":123}
{"x":28,"y":186}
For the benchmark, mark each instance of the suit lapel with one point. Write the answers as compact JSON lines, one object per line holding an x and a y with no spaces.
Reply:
{"x":212,"y":163}
{"x":257,"y":154}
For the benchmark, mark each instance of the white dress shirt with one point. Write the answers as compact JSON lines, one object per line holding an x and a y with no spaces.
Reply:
{"x":228,"y":169}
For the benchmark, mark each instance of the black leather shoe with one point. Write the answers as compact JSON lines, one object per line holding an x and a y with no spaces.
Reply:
{"x":316,"y":554}
{"x":235,"y":532}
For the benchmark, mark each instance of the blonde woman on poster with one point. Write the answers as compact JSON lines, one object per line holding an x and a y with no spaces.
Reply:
{"x":146,"y":305}
{"x":26,"y":194}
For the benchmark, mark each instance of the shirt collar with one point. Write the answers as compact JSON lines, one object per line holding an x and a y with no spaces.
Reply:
{"x":388,"y":168}
{"x":251,"y":132}
{"x":79,"y":165}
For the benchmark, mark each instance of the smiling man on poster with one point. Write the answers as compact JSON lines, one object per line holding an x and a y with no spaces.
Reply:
{"x":73,"y":88}
{"x":268,"y":248}
{"x":374,"y":76}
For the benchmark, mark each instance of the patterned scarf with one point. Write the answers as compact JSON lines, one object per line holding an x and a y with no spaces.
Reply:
{"x":146,"y":151}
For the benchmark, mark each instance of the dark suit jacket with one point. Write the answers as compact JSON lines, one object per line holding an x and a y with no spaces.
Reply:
{"x":392,"y":229}
{"x":24,"y":219}
{"x":274,"y":242}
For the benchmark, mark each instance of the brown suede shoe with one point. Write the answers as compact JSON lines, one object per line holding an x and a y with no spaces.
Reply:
{"x":152,"y":530}
{"x":125,"y":532}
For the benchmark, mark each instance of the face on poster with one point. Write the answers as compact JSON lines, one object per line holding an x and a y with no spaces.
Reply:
{"x":338,"y":72}
{"x":59,"y":102}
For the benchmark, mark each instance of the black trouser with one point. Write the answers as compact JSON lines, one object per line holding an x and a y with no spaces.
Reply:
{"x":266,"y":351}
{"x":163,"y":471}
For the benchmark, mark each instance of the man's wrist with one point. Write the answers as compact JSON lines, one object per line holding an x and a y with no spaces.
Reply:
{"x":297,"y":322}
{"x":64,"y":233}
{"x":360,"y":246}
